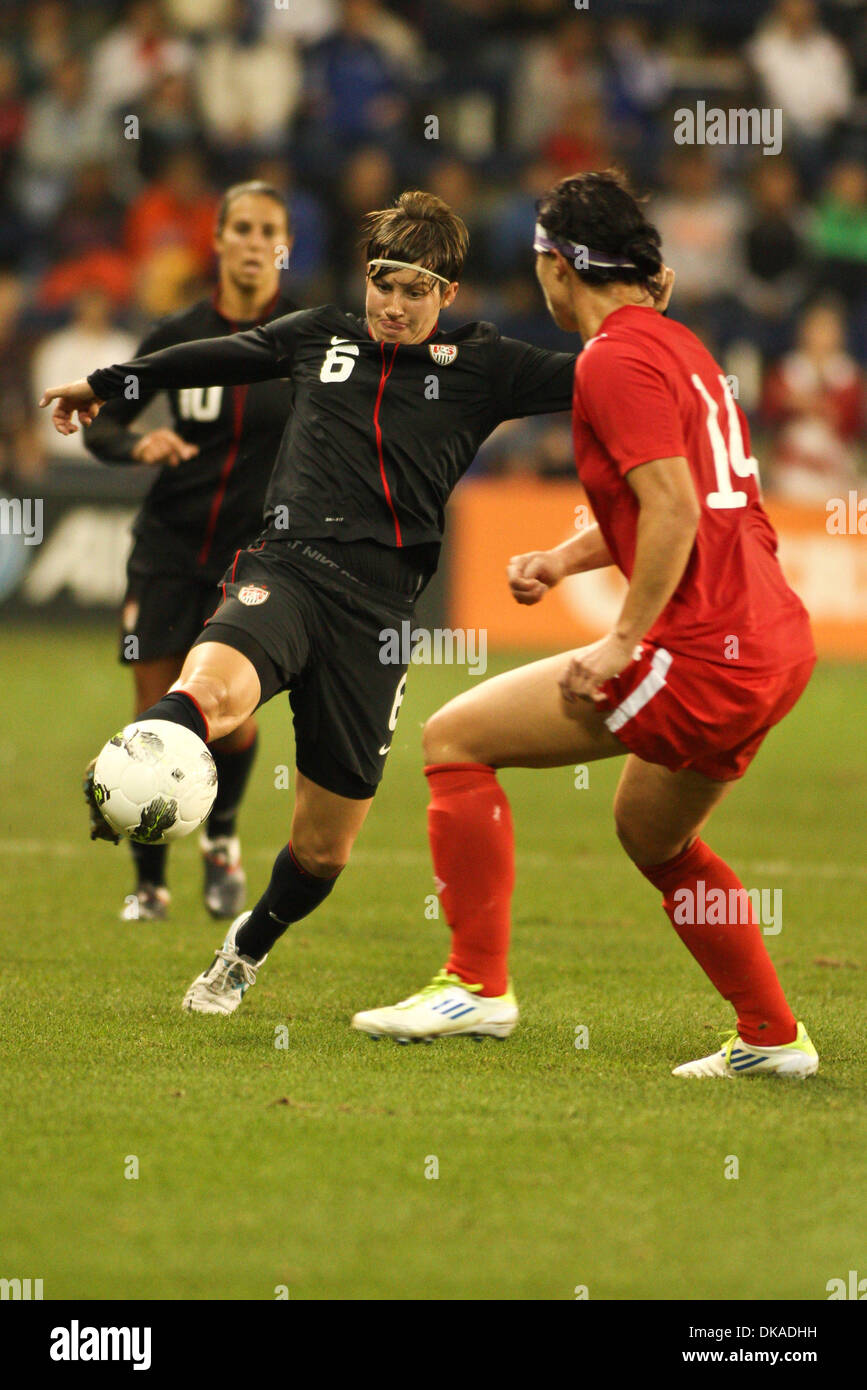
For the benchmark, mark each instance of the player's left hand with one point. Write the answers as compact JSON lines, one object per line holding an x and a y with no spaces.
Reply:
{"x":590,"y":667}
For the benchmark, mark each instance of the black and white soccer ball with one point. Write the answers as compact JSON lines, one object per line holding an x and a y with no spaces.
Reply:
{"x":155,"y":782}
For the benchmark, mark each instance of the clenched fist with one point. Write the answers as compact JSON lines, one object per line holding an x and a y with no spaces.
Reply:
{"x":532,"y":575}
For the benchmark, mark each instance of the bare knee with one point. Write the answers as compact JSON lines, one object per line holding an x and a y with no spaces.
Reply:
{"x":224,"y":685}
{"x":645,"y":843}
{"x":320,"y":853}
{"x":445,"y":739}
{"x":213,"y":696}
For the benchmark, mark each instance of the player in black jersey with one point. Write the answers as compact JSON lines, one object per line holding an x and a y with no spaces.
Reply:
{"x":206,"y":502}
{"x":388,"y":414}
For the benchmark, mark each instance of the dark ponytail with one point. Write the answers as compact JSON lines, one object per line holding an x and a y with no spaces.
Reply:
{"x":600,"y":212}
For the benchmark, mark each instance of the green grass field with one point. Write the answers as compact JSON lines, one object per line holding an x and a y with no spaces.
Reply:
{"x":305,"y":1166}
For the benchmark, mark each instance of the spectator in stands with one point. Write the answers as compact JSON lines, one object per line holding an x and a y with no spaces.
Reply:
{"x":64,"y":129}
{"x":71,"y":349}
{"x":134,"y":55}
{"x":45,"y":41}
{"x":21,"y":455}
{"x":540,"y":445}
{"x":249,"y":88}
{"x":92,"y":215}
{"x":839,"y":231}
{"x":199,"y":17}
{"x":639,"y":76}
{"x":305,"y":22}
{"x":309,"y":221}
{"x":580,"y":140}
{"x":168,"y":122}
{"x":814,"y":399}
{"x":775,"y":255}
{"x":178,"y":210}
{"x":13,"y":115}
{"x":513,"y":217}
{"x":369,"y":180}
{"x":805,"y":72}
{"x":551,"y":72}
{"x":13,"y":118}
{"x":353,"y":90}
{"x":458,"y":184}
{"x":86,"y":242}
{"x":700,"y":223}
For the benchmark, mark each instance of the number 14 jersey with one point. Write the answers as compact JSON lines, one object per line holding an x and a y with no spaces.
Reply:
{"x":646,"y":388}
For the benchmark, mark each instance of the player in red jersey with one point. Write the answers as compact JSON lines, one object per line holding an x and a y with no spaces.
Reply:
{"x":711,"y":649}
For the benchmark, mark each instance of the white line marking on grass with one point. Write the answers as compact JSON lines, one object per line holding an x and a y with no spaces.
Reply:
{"x":532,"y":859}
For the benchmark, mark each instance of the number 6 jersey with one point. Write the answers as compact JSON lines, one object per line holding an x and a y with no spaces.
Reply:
{"x":380,"y":433}
{"x":645,"y":388}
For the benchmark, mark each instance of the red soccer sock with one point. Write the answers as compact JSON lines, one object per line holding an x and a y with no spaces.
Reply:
{"x":473,"y":849}
{"x":731,"y":951}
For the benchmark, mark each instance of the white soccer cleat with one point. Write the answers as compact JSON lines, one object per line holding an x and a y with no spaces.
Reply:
{"x":220,"y":988}
{"x":447,"y":1007}
{"x":797,"y":1059}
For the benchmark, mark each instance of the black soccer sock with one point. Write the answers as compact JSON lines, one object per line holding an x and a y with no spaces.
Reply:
{"x":291,"y":895}
{"x":233,"y":770}
{"x":150,"y":864}
{"x":178,"y":708}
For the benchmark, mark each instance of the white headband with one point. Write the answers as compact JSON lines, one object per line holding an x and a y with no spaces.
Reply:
{"x":405,"y":265}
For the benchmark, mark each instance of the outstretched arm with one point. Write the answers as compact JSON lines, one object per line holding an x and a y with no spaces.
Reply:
{"x":257,"y":355}
{"x":112,"y":439}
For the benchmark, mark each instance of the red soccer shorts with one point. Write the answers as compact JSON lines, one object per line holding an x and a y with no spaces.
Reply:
{"x":679,"y":712}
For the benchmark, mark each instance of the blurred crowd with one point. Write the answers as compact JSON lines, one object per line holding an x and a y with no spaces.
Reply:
{"x":120,"y":123}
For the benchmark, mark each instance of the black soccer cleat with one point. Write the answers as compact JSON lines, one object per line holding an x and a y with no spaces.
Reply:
{"x":99,"y":826}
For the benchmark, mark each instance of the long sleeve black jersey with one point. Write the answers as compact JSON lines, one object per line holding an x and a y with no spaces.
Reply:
{"x":199,"y":513}
{"x":380,"y":433}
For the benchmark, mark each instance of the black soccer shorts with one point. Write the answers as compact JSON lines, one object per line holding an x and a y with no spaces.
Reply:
{"x":324,"y":634}
{"x":163,"y":614}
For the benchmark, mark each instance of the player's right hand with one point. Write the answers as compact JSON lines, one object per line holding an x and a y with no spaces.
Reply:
{"x":75,"y":396}
{"x":163,"y":447}
{"x":532,"y":575}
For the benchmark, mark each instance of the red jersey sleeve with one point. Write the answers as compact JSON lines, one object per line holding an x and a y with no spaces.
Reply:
{"x":627,"y":402}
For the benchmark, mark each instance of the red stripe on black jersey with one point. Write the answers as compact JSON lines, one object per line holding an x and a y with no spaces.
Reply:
{"x":239,"y":396}
{"x":386,"y":489}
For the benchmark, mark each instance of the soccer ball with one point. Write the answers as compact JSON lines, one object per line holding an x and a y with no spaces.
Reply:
{"x":154,"y":782}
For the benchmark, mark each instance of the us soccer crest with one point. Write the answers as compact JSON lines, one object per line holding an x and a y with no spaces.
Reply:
{"x":443,"y":353}
{"x":253,"y":593}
